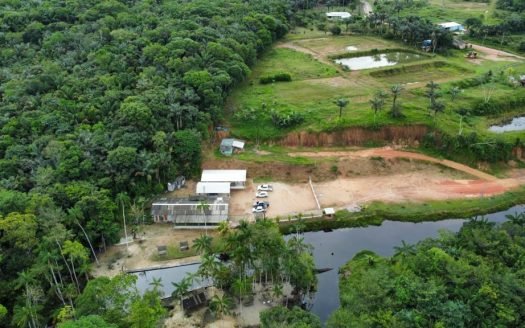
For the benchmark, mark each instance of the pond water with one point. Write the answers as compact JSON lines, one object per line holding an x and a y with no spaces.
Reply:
{"x":516,"y":124}
{"x":334,"y":249}
{"x":345,"y":243}
{"x":379,"y":60}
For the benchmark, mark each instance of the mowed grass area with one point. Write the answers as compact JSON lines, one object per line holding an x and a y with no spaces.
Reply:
{"x":299,"y":65}
{"x":317,"y":85}
{"x":417,"y":73}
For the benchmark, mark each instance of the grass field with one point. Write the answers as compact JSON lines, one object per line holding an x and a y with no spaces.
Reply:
{"x":439,"y":11}
{"x":316,"y":85}
{"x":299,"y":65}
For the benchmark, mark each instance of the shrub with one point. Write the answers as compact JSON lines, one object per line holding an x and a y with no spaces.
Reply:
{"x":335,"y":30}
{"x":279,"y":77}
{"x":286,"y":119}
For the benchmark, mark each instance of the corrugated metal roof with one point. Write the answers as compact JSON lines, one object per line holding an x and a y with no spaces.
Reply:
{"x":213,"y":188}
{"x":238,"y":144}
{"x":223,"y":175}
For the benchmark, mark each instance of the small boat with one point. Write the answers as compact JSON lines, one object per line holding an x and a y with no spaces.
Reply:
{"x":328,"y":230}
{"x":323,"y":270}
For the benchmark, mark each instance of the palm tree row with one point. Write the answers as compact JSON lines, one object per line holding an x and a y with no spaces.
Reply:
{"x":259,"y":255}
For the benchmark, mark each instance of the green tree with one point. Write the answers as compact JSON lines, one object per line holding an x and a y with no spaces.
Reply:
{"x":341,"y":103}
{"x":377,"y":103}
{"x":335,"y":30}
{"x":396,"y":110}
{"x":146,"y":311}
{"x":295,"y":318}
{"x":89,"y":321}
{"x":220,"y":305}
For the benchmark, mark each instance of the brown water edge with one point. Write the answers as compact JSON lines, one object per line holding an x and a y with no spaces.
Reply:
{"x":356,"y":136}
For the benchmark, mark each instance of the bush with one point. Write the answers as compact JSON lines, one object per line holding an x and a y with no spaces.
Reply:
{"x":286,"y":119}
{"x":279,"y":77}
{"x":335,"y":30}
{"x":521,"y":46}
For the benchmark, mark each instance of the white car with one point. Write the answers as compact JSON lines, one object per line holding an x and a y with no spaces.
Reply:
{"x":258,"y":209}
{"x":261,"y":194}
{"x":264,"y":187}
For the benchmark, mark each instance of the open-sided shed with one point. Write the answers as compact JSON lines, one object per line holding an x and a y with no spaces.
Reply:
{"x":213,"y":188}
{"x":236,"y":178}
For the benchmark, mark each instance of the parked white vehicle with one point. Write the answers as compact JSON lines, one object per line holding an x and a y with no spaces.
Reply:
{"x":258,"y":209}
{"x":264,"y":187}
{"x":261,"y":194}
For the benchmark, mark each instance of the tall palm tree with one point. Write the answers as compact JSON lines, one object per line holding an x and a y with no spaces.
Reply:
{"x":223,"y":228}
{"x":518,"y":219}
{"x":396,"y":90}
{"x":181,"y":288}
{"x":376,"y":104}
{"x":454,"y":93}
{"x":341,"y":103}
{"x":203,"y":244}
{"x":157,"y":285}
{"x":208,"y":266}
{"x":404,"y":250}
{"x":220,"y":305}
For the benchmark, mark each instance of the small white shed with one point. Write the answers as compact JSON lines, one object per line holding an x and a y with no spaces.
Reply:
{"x":338,"y":15}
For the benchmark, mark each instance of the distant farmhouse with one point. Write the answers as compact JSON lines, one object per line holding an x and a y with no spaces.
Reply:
{"x":452,"y":27}
{"x":338,"y":15}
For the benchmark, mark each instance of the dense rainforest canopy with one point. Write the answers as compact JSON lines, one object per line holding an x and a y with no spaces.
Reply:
{"x":102,"y":102}
{"x":474,"y":278}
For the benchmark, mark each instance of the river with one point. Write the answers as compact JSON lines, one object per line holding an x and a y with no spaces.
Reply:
{"x":334,"y":249}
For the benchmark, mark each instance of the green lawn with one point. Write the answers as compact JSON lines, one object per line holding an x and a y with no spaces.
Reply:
{"x":299,"y":65}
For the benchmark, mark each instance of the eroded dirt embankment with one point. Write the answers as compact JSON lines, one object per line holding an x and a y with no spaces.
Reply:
{"x":356,"y":136}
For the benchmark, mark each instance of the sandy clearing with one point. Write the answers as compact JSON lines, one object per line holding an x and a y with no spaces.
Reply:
{"x":495,"y":54}
{"x":388,"y":152}
{"x":114,"y":260}
{"x":285,"y":199}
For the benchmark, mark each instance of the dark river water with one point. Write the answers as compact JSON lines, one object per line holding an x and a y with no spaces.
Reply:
{"x":344,"y":244}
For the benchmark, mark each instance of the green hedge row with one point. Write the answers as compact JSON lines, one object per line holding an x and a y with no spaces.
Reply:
{"x":279,"y":77}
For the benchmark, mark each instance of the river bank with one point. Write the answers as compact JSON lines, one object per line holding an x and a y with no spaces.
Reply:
{"x":377,"y":212}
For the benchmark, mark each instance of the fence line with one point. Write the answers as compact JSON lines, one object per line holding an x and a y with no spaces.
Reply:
{"x":313,"y":191}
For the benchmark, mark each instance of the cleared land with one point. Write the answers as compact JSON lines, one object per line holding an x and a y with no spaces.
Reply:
{"x":317,"y":82}
{"x":380,"y":174}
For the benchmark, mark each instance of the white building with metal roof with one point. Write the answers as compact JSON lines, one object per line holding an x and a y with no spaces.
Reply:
{"x":338,"y":15}
{"x":213,"y":188}
{"x":236,"y":178}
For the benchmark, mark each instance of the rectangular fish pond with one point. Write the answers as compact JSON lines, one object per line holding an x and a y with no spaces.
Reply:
{"x":379,"y":60}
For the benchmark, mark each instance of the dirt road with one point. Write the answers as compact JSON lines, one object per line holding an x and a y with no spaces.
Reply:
{"x":293,"y":46}
{"x":388,"y":152}
{"x":495,"y":54}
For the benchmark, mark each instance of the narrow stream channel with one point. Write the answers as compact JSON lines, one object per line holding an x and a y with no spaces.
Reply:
{"x":345,"y":243}
{"x":334,"y":249}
